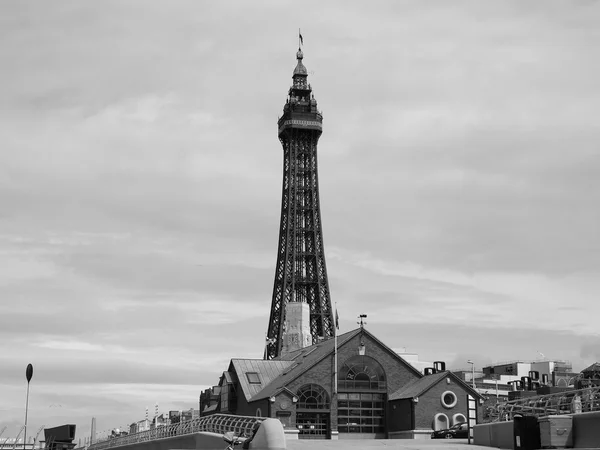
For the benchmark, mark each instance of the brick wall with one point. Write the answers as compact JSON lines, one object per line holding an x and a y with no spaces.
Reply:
{"x":400,"y":415}
{"x":250,"y":409}
{"x":397,"y":375}
{"x":430,"y":403}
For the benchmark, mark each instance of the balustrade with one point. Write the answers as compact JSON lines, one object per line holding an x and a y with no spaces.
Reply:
{"x":216,"y":423}
{"x":566,"y":402}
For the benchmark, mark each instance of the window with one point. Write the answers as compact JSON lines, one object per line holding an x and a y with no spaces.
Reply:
{"x":312,"y":396}
{"x":449,"y":399}
{"x":225,"y":398}
{"x":362,"y":373}
{"x":440,"y":422}
{"x":458,"y":418}
{"x":361,"y":400}
{"x":253,"y":378}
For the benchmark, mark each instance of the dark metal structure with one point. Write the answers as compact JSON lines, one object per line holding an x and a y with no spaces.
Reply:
{"x":300,"y":273}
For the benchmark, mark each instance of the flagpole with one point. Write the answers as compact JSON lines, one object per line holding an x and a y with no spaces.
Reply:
{"x":335,"y":353}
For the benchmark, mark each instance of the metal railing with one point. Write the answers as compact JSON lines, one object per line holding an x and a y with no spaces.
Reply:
{"x":566,"y":402}
{"x":216,"y":423}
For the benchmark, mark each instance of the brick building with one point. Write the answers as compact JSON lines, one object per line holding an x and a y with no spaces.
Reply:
{"x":436,"y":401}
{"x":366,"y":397}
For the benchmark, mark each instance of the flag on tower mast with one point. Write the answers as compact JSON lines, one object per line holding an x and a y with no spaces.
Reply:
{"x":300,"y":39}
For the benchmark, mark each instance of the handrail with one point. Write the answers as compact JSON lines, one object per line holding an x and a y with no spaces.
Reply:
{"x":566,"y":402}
{"x":215,"y":423}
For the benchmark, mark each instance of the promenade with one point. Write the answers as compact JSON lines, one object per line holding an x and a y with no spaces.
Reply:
{"x":404,"y":444}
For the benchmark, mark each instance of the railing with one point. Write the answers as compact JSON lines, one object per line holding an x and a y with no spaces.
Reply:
{"x":216,"y":423}
{"x":567,"y":402}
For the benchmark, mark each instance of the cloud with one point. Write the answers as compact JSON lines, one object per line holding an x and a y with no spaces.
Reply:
{"x":140,"y":183}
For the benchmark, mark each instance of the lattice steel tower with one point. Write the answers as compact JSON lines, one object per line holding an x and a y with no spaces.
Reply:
{"x":300,"y":273}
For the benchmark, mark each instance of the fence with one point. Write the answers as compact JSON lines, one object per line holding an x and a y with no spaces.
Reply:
{"x":567,"y":402}
{"x":216,"y":423}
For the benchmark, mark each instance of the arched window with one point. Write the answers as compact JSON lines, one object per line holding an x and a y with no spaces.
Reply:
{"x":361,"y":372}
{"x":312,"y":396}
{"x":361,"y":397}
{"x":440,"y":422}
{"x":458,"y":418}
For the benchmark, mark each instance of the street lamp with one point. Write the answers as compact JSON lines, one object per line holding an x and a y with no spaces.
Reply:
{"x":472,"y":371}
{"x":28,"y":376}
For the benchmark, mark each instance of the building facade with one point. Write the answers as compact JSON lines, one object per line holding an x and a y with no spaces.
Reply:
{"x":368,"y":394}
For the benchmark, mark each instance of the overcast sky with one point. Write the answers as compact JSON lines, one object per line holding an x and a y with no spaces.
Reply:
{"x":140,"y":187}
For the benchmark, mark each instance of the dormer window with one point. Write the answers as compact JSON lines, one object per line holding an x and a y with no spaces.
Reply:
{"x":253,"y":378}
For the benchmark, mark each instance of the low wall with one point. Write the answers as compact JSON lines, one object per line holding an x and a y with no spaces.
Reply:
{"x":205,"y":441}
{"x":503,"y":434}
{"x":497,"y":434}
{"x":482,"y":434}
{"x":410,"y":434}
{"x":586,"y":430}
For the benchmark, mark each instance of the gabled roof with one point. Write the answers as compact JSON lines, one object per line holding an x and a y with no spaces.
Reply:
{"x":418,"y":387}
{"x":267,"y":371}
{"x":300,"y":361}
{"x":593,"y":368}
{"x":307,"y":357}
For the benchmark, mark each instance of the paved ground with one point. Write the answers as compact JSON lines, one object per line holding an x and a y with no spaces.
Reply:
{"x":400,"y":444}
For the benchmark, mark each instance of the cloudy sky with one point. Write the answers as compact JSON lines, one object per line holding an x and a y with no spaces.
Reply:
{"x":140,"y":184}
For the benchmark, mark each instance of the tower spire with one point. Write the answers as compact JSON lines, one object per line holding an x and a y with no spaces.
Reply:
{"x":300,"y":272}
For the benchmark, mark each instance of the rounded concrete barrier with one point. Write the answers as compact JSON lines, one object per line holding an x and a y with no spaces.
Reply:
{"x":270,"y":436}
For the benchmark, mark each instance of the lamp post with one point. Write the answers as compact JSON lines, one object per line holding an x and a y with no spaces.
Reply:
{"x":472,"y":372}
{"x":28,"y":375}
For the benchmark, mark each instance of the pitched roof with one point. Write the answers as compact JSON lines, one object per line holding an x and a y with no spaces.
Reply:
{"x":307,"y":357}
{"x":300,"y":361}
{"x":267,"y":371}
{"x":593,"y":368}
{"x":418,"y":387}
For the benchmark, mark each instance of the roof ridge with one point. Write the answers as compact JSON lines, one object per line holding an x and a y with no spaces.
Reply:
{"x":341,"y":339}
{"x":393,"y":353}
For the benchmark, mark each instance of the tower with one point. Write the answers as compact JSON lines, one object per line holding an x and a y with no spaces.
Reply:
{"x":300,"y":272}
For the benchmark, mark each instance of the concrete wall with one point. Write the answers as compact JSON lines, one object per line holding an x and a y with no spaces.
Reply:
{"x":498,"y":434}
{"x":503,"y":435}
{"x":205,"y":441}
{"x":270,"y":436}
{"x":586,"y":430}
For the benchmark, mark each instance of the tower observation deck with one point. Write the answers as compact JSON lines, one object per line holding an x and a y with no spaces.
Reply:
{"x":300,"y":273}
